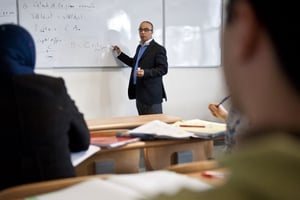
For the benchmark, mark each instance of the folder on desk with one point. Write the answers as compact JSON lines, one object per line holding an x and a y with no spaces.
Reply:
{"x":160,"y":130}
{"x":112,"y":141}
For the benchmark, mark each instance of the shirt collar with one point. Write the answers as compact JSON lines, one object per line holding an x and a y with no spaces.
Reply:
{"x":146,"y":43}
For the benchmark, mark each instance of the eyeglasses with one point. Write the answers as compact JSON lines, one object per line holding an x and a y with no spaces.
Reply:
{"x":144,"y":29}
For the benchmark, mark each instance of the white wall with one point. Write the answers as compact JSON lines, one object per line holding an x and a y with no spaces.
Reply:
{"x":102,"y":92}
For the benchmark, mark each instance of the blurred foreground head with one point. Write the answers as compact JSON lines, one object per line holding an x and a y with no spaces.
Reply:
{"x":261,"y":42}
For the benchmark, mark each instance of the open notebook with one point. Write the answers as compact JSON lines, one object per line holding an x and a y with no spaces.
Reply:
{"x":180,"y":130}
{"x":127,"y":187}
{"x":79,"y":157}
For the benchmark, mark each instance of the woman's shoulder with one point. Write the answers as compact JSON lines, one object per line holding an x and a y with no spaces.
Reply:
{"x":40,"y":84}
{"x":39,"y":79}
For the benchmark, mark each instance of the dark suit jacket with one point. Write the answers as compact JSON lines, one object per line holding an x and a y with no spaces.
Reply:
{"x":40,"y":126}
{"x":148,"y":89}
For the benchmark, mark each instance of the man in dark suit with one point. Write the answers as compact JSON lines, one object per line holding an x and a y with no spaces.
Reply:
{"x":148,"y":65}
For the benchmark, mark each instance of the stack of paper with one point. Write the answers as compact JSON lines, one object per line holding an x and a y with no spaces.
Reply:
{"x":159,"y":129}
{"x":182,"y":129}
{"x":127,"y":187}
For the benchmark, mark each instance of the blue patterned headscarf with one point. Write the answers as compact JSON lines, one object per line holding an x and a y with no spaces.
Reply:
{"x":17,"y":51}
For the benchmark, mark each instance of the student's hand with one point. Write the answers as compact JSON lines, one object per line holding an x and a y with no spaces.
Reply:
{"x":218,"y":111}
{"x":116,"y":49}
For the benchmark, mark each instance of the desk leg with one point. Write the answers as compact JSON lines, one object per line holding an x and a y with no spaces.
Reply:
{"x":125,"y":161}
{"x":164,"y":156}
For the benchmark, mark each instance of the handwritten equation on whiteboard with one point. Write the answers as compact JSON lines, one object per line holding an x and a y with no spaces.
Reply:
{"x":8,"y":12}
{"x":65,"y":32}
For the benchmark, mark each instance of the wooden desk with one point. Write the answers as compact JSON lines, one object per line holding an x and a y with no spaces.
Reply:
{"x":195,"y":169}
{"x":127,"y":122}
{"x":27,"y":190}
{"x":157,"y":154}
{"x":126,"y":159}
{"x":31,"y":189}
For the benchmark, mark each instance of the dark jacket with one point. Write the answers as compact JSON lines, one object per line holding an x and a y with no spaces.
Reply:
{"x":266,"y":167}
{"x":40,"y":126}
{"x":148,"y":89}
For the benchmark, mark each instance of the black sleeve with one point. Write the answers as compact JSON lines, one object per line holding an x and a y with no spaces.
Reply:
{"x":160,"y":67}
{"x":79,"y":136}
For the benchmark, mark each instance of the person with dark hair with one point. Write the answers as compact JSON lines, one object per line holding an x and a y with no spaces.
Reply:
{"x":261,"y":43}
{"x":40,"y":124}
{"x":149,"y":65}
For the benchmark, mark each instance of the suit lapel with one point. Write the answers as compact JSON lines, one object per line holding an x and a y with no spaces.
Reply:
{"x":148,"y":49}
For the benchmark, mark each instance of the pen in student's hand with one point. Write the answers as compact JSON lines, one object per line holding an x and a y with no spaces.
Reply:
{"x":223,"y":100}
{"x":191,"y":126}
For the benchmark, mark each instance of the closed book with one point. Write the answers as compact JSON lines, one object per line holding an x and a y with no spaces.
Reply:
{"x":112,"y":141}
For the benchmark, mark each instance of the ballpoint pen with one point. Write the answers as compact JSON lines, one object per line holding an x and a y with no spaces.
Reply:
{"x":223,"y":100}
{"x":191,"y":126}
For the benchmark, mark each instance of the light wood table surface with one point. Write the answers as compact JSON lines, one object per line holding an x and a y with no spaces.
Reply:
{"x":31,"y":189}
{"x":127,"y":122}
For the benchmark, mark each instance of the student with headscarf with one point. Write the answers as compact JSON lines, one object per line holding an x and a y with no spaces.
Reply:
{"x":39,"y":125}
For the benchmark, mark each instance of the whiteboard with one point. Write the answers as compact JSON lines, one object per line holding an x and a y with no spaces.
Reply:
{"x":80,"y":33}
{"x":8,"y":11}
{"x":193,"y":29}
